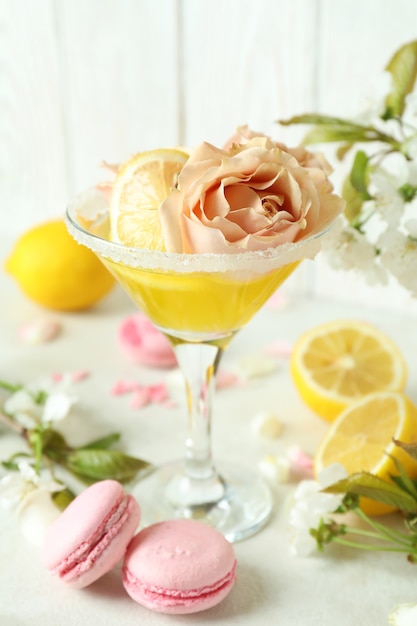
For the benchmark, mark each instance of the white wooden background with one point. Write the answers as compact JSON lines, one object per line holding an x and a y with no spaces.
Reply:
{"x":86,"y":80}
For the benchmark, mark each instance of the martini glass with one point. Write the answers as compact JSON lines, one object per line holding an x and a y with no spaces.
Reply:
{"x":199,"y":301}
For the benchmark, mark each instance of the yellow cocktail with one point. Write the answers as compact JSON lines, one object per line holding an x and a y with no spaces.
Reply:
{"x":199,"y":301}
{"x":208,"y":305}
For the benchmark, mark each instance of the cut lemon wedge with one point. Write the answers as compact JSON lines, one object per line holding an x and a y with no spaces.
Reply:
{"x":361,"y":439}
{"x":339,"y":362}
{"x":140,"y":186}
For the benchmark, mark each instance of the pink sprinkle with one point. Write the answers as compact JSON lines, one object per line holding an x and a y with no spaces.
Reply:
{"x":279,"y":348}
{"x":300,"y":461}
{"x":57,"y":377}
{"x":140,"y":398}
{"x":122,"y":387}
{"x":278,"y":300}
{"x":79,"y":375}
{"x":158,"y":393}
{"x":226,"y":379}
{"x":169,"y":404}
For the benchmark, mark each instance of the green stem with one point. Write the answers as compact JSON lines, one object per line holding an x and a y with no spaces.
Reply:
{"x":373,"y":548}
{"x":390,"y":534}
{"x":9,"y":386}
{"x":10,"y":423}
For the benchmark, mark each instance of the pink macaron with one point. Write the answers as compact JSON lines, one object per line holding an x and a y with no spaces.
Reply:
{"x":142,"y":343}
{"x":92,"y":534}
{"x":179,"y":566}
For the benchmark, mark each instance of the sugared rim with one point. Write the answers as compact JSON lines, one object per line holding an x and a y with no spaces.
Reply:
{"x":92,"y":205}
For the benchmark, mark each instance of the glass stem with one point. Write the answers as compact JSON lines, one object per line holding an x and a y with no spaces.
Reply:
{"x":198,"y":363}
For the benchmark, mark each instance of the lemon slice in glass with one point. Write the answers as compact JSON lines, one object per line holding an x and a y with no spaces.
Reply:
{"x":140,"y":186}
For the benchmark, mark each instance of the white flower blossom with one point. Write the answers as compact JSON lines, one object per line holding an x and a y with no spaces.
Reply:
{"x":399,"y":257}
{"x":385,"y":185}
{"x":404,"y":615}
{"x":349,"y":249}
{"x":16,"y":486}
{"x":374,"y":102}
{"x":35,"y":514}
{"x":312,"y":505}
{"x":24,"y":408}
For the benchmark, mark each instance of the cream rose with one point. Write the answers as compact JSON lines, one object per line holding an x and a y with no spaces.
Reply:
{"x":252,"y":196}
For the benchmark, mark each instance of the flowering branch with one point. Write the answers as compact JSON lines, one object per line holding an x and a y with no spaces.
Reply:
{"x":378,"y":233}
{"x":313,"y":525}
{"x":31,"y":412}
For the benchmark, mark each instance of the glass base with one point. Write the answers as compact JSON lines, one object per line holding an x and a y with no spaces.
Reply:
{"x":236,"y":501}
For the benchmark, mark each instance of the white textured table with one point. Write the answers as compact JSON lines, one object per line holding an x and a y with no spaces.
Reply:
{"x":342,"y":587}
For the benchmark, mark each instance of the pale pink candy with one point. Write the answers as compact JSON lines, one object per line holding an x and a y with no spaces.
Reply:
{"x":278,"y":301}
{"x":57,"y":377}
{"x":301,"y":463}
{"x":280,"y":348}
{"x":79,"y":375}
{"x":253,"y":197}
{"x":40,"y":331}
{"x":225,"y":379}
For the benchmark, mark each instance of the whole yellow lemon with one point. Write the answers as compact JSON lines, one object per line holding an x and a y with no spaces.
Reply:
{"x":55,"y":271}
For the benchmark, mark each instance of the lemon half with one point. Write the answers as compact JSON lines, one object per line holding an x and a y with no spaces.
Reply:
{"x":339,"y":362}
{"x":361,"y":439}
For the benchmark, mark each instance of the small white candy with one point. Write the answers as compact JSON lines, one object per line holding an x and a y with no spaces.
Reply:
{"x":39,"y":331}
{"x":267,"y":425}
{"x":256,"y":366}
{"x":404,"y":615}
{"x":275,"y":469}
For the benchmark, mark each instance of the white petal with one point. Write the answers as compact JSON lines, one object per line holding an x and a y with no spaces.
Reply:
{"x":332,"y":474}
{"x":27,"y":472}
{"x":404,"y":615}
{"x":12,"y":487}
{"x":36,"y":513}
{"x":57,"y":406}
{"x":21,"y":402}
{"x":303,"y":544}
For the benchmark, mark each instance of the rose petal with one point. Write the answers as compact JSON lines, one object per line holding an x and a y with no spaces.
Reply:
{"x":140,"y":398}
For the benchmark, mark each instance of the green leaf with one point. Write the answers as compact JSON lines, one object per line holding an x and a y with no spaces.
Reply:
{"x":359,"y":174}
{"x":317,"y":119}
{"x":403,"y":69}
{"x":63,"y":498}
{"x":333,"y":134}
{"x":342,"y":150}
{"x":11,"y":466}
{"x":327,"y":129}
{"x":403,"y":480}
{"x":103,"y":464}
{"x":367,"y":485}
{"x":409,"y":448}
{"x":354,"y":200}
{"x":9,"y":386}
{"x":103,"y":443}
{"x":54,"y":445}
